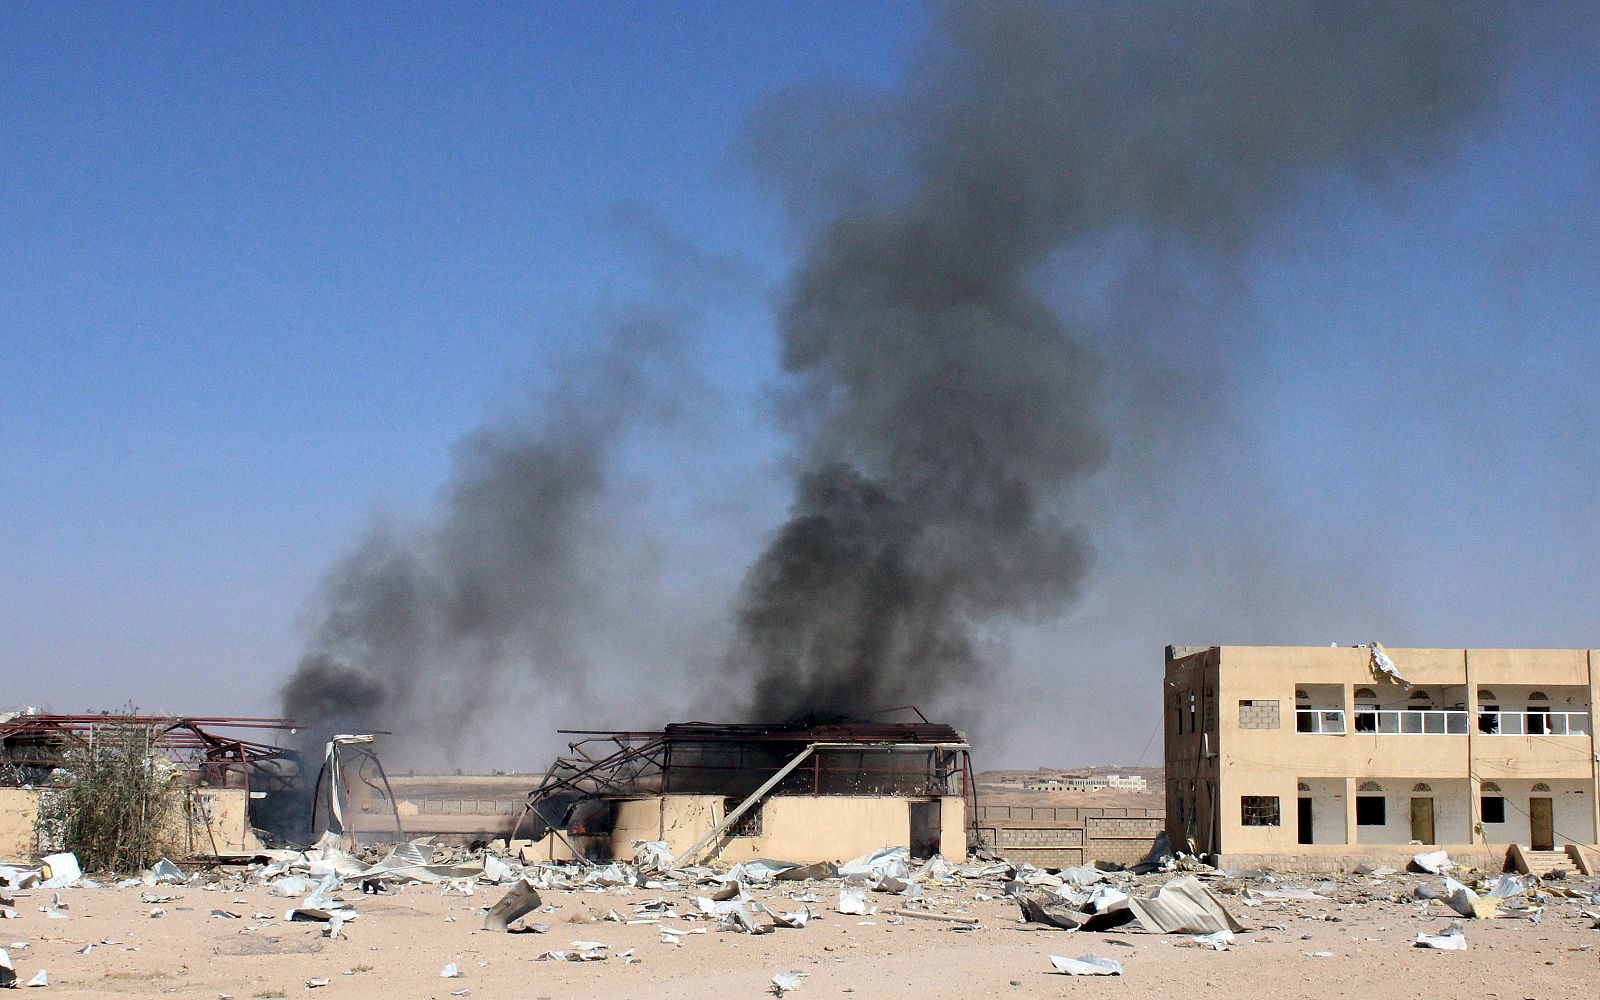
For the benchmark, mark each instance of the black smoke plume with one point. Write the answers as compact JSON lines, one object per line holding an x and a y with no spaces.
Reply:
{"x":947,"y":411}
{"x":947,"y":415}
{"x":426,"y":630}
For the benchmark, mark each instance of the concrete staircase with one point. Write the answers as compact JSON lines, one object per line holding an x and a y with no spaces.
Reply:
{"x":1585,"y":859}
{"x":1541,"y":863}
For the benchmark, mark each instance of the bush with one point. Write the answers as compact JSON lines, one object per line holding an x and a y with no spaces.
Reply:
{"x":114,"y":801}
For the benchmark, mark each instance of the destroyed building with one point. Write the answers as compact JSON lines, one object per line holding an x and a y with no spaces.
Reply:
{"x":232,"y":785}
{"x":803,"y":793}
{"x":1325,"y":753}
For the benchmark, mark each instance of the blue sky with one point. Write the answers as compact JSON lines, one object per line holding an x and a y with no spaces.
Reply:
{"x":261,"y":267}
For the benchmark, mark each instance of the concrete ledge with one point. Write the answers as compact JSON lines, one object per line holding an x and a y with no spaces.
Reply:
{"x":1338,"y":859}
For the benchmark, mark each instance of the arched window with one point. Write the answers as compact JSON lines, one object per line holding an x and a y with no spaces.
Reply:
{"x":1421,"y":786}
{"x":1300,"y":696}
{"x":1491,"y":787}
{"x":1422,"y":697}
{"x":1370,"y":786}
{"x":1366,"y":710}
{"x":1538,"y":714}
{"x":1541,"y":787}
{"x":1488,"y":712}
{"x":1302,"y":787}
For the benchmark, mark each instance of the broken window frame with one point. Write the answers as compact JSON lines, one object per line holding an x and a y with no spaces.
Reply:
{"x":748,"y":825}
{"x":1260,"y":810}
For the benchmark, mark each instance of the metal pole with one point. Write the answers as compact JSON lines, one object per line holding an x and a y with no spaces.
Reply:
{"x":744,"y":807}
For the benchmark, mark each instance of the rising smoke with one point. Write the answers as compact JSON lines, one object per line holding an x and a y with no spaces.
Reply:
{"x":954,"y":409}
{"x":944,"y":411}
{"x":416,"y":629}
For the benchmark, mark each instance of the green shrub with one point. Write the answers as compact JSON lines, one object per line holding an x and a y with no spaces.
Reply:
{"x":115,"y":801}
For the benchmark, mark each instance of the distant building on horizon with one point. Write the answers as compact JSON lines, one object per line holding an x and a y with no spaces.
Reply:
{"x":1086,"y":783}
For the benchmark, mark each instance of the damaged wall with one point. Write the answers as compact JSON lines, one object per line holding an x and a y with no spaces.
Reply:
{"x":223,"y":810}
{"x":798,"y":828}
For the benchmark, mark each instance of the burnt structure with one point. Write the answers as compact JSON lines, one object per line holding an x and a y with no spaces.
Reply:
{"x":807,"y":792}
{"x":236,"y":784}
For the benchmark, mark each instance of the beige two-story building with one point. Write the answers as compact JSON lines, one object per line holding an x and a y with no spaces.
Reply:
{"x":1333,"y":753}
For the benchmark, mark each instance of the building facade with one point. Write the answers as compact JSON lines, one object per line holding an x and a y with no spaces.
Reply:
{"x":1331,"y":753}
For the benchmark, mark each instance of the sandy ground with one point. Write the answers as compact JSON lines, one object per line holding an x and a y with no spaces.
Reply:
{"x":400,"y":942}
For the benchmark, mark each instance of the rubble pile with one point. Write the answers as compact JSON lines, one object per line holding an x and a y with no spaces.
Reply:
{"x":1170,"y":897}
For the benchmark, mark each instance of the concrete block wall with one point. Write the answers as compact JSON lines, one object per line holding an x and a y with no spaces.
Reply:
{"x":1258,"y":715}
{"x":470,"y":807}
{"x":1058,"y":836}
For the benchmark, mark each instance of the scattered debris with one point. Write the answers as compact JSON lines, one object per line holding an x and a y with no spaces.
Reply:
{"x":1452,"y":938}
{"x":1086,"y":965}
{"x":521,"y":899}
{"x":1183,"y":906}
{"x":1216,"y":940}
{"x":924,"y":915}
{"x":1432,"y":862}
{"x":59,"y":871}
{"x":651,"y":855}
{"x":1468,"y":903}
{"x":854,"y":901}
{"x":784,"y":982}
{"x":166,"y":871}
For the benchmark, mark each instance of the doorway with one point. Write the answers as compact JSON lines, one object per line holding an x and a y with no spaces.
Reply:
{"x":1307,"y":830}
{"x":926,"y":829}
{"x":1422,"y":820}
{"x":1541,"y":824}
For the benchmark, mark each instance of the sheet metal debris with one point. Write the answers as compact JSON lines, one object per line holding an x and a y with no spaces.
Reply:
{"x":854,"y":901}
{"x":1452,"y":938}
{"x":522,"y":898}
{"x":1383,"y":664}
{"x":1086,"y":965}
{"x":59,"y":871}
{"x":1433,"y":862}
{"x":1183,"y":906}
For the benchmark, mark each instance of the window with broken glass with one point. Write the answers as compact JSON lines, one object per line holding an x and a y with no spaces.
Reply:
{"x":1259,"y":810}
{"x":748,"y":825}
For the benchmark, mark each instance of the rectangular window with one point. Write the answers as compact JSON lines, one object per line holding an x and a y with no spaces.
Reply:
{"x":1538,"y":721}
{"x":1489,"y":719}
{"x":1492,"y":808}
{"x":748,"y":825}
{"x":1371,"y":810}
{"x":1259,"y":810}
{"x":1366,"y":718}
